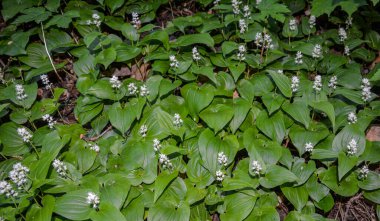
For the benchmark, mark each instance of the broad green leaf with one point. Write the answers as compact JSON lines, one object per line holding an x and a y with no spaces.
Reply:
{"x":44,"y":213}
{"x":264,"y":214}
{"x":191,"y":39}
{"x":348,"y":133}
{"x":106,"y":57}
{"x":327,"y":108}
{"x":11,"y":141}
{"x":303,"y":170}
{"x":346,"y":187}
{"x":107,"y":211}
{"x":320,"y":7}
{"x":373,"y":196}
{"x":169,"y":211}
{"x":298,"y":196}
{"x":238,"y":205}
{"x":114,"y":4}
{"x":299,"y":111}
{"x":217,"y":116}
{"x":316,"y":190}
{"x":126,"y":52}
{"x":276,"y":176}
{"x":272,"y":101}
{"x":371,"y":182}
{"x":162,"y":181}
{"x":73,"y":205}
{"x":16,"y":44}
{"x":345,"y":164}
{"x":273,"y":127}
{"x":241,"y":108}
{"x":197,"y":98}
{"x":282,"y":82}
{"x":36,"y":56}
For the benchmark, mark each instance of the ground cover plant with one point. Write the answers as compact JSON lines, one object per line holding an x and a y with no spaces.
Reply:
{"x":189,"y":110}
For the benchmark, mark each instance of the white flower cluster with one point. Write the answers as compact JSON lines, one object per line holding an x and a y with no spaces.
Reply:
{"x":156,"y":144}
{"x":18,"y":174}
{"x":177,"y":121}
{"x":20,"y":92}
{"x":60,"y":167}
{"x":256,"y":167}
{"x":312,"y":21}
{"x":258,"y":2}
{"x":363,"y":172}
{"x":94,"y":147}
{"x":173,"y":61}
{"x":45,"y":81}
{"x":333,"y":82}
{"x":348,"y":22}
{"x":24,"y":134}
{"x":222,"y":159}
{"x":132,"y":89}
{"x":243,"y":26}
{"x":143,"y":130}
{"x":317,"y":85}
{"x":366,"y":90}
{"x":236,"y":6}
{"x":115,"y":82}
{"x":352,"y":147}
{"x":93,"y":199}
{"x":280,"y":71}
{"x":49,"y":119}
{"x":346,"y":51}
{"x":219,"y":175}
{"x":164,"y":161}
{"x":342,"y":34}
{"x":292,"y":24}
{"x":295,"y":83}
{"x":95,"y":20}
{"x":216,"y":2}
{"x":246,"y":12}
{"x":352,"y":118}
{"x":144,"y":91}
{"x":196,"y":55}
{"x":7,"y":190}
{"x":317,"y":51}
{"x":299,"y":57}
{"x":263,"y":40}
{"x":309,"y":147}
{"x":241,"y":53}
{"x":136,"y":20}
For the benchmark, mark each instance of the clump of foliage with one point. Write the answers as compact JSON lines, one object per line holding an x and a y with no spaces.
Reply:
{"x":226,"y":114}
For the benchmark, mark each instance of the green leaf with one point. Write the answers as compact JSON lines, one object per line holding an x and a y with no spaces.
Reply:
{"x":298,"y":196}
{"x":345,"y":164}
{"x":238,"y":205}
{"x":85,"y":65}
{"x":217,"y":116}
{"x":73,"y":205}
{"x":107,"y":212}
{"x":42,"y":70}
{"x":161,"y":36}
{"x":102,"y":89}
{"x":348,"y":133}
{"x":346,"y":187}
{"x":36,"y":56}
{"x":320,"y":7}
{"x":276,"y":176}
{"x":273,"y":9}
{"x":299,"y":111}
{"x":327,"y":108}
{"x":126,"y":52}
{"x":114,"y":4}
{"x":373,"y":196}
{"x":272,"y":101}
{"x":36,"y":14}
{"x":374,"y":39}
{"x":44,"y":213}
{"x":106,"y":57}
{"x":246,"y":89}
{"x":228,"y":47}
{"x":303,"y":170}
{"x":371,"y":182}
{"x":261,"y":213}
{"x":191,"y":39}
{"x":169,"y":211}
{"x":197,"y":98}
{"x":316,"y":190}
{"x":162,"y":181}
{"x":16,"y":44}
{"x":241,"y":108}
{"x":273,"y":127}
{"x":10,"y":9}
{"x":282,"y":82}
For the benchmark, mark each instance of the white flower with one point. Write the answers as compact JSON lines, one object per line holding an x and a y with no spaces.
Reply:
{"x":143,"y":130}
{"x":236,"y":6}
{"x":7,"y":190}
{"x":96,"y":20}
{"x":50,"y":120}
{"x":258,"y":2}
{"x":241,"y":52}
{"x":94,"y":147}
{"x":348,"y":22}
{"x":164,"y":161}
{"x":132,"y":89}
{"x":312,"y":21}
{"x":268,"y":41}
{"x":295,"y":83}
{"x":366,"y":90}
{"x":196,"y":55}
{"x":144,"y":91}
{"x":317,"y":85}
{"x":309,"y":147}
{"x":352,"y":147}
{"x":219,"y":175}
{"x":18,"y":174}
{"x":256,"y":167}
{"x":342,"y":34}
{"x":173,"y":61}
{"x":177,"y":121}
{"x":352,"y":118}
{"x":115,"y":83}
{"x":259,"y":39}
{"x":95,"y":16}
{"x":88,"y":22}
{"x":222,"y":159}
{"x":93,"y":199}
{"x":280,"y":71}
{"x":292,"y":24}
{"x":363,"y":172}
{"x":156,"y":144}
{"x":136,"y":20}
{"x":246,"y":12}
{"x":317,"y":51}
{"x":216,"y":2}
{"x":45,"y":81}
{"x":60,"y":167}
{"x":24,"y":134}
{"x":299,"y":57}
{"x":263,"y":40}
{"x":20,"y":92}
{"x":333,"y":82}
{"x":243,"y":26}
{"x":346,"y":51}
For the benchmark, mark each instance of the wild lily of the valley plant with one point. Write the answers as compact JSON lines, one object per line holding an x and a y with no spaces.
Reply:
{"x":126,"y":110}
